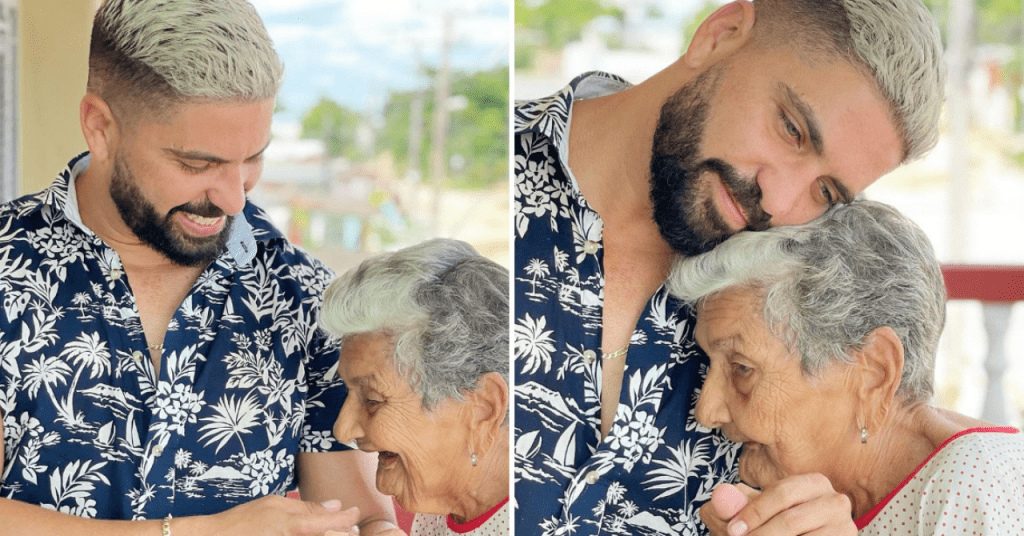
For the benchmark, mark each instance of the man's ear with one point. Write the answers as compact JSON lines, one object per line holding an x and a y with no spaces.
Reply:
{"x":725,"y":31}
{"x":99,"y":126}
{"x":880,"y":362}
{"x":489,"y":403}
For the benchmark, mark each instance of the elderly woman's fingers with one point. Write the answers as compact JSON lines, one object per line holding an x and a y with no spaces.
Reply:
{"x":726,"y":501}
{"x":788,"y":501}
{"x":717,"y":525}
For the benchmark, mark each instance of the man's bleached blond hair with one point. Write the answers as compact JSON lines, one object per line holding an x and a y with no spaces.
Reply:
{"x":149,"y":55}
{"x":895,"y":42}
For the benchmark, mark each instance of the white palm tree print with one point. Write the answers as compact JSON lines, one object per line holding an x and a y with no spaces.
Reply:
{"x":87,"y":352}
{"x":537,"y":268}
{"x":234,"y":417}
{"x":533,"y":344}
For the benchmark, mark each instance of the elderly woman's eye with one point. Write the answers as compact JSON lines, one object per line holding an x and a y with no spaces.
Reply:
{"x":371,"y":403}
{"x":739,"y":369}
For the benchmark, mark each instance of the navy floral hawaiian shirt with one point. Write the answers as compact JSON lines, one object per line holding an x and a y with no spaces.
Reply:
{"x":657,"y":465}
{"x":246,"y":381}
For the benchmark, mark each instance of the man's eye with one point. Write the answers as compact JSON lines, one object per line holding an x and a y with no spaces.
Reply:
{"x":791,"y":129}
{"x":192,"y":169}
{"x":826,"y":194}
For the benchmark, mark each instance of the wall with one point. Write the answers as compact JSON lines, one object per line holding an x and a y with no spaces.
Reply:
{"x":54,"y":53}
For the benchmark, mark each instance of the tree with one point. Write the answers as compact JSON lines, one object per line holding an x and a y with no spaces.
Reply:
{"x":336,"y":125}
{"x":478,"y":132}
{"x":562,"y":21}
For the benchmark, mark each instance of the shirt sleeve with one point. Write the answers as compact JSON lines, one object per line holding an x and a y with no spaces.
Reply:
{"x":326,"y":395}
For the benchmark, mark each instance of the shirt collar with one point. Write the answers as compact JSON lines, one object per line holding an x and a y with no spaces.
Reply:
{"x":585,"y":86}
{"x":241,"y":244}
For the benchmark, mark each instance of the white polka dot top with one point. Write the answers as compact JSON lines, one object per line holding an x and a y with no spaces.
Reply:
{"x":973,"y":484}
{"x":492,"y":523}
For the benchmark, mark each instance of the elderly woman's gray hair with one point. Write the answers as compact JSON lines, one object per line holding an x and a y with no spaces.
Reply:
{"x":828,"y":284}
{"x":444,"y":305}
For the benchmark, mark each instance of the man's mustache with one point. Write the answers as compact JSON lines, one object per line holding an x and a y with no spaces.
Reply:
{"x":745,"y":191}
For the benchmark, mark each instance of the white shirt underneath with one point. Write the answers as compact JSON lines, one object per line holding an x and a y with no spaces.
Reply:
{"x":492,"y":523}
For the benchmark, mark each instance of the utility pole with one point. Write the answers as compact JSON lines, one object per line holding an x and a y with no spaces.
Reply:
{"x":438,"y":169}
{"x":961,"y":23}
{"x":412,"y":173}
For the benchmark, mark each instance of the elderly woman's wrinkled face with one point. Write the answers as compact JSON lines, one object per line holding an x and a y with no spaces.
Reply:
{"x":418,"y":450}
{"x":757,"y":393}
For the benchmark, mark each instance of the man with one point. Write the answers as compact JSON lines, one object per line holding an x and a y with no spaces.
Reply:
{"x":159,"y":356}
{"x":778,"y":110}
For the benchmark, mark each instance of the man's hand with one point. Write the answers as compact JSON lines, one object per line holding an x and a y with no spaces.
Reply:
{"x":273,"y":516}
{"x":797,"y":505}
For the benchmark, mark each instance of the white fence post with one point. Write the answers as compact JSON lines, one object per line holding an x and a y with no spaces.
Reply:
{"x":997,"y":320}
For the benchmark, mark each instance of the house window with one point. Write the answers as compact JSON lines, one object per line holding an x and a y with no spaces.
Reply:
{"x":8,"y":100}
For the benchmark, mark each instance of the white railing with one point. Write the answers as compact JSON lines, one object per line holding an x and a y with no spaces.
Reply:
{"x":997,"y":288}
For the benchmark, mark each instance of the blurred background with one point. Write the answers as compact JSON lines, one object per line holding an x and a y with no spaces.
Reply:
{"x":967,"y":194}
{"x":391,"y":125}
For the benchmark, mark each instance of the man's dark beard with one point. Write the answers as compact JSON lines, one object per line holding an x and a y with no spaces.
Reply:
{"x":141,"y":217}
{"x":689,"y":224}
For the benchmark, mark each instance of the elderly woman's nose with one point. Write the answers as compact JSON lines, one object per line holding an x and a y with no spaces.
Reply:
{"x":711,"y":410}
{"x":347,"y":427}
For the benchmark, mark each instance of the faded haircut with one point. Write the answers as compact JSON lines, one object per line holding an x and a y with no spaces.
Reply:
{"x":827,"y":285}
{"x":442,"y":304}
{"x":146,"y":56}
{"x":896,"y":43}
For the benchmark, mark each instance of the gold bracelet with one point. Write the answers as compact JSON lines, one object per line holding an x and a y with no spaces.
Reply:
{"x":165,"y":529}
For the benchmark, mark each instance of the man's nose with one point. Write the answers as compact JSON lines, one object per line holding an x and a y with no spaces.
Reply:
{"x":790,"y":191}
{"x":232,"y":185}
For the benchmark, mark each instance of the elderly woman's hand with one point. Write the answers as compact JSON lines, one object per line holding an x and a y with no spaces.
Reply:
{"x":797,"y":505}
{"x":378,"y":527}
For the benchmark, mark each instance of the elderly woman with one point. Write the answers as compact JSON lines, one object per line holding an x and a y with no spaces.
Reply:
{"x":822,"y":344}
{"x":425,"y":356}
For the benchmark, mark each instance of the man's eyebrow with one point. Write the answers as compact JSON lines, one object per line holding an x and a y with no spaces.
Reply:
{"x":809,"y":117}
{"x":207,"y":157}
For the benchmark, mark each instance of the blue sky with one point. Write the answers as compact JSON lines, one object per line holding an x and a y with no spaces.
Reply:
{"x":358,"y":51}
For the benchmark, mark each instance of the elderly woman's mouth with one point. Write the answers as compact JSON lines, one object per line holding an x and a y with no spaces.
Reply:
{"x":386,"y":459}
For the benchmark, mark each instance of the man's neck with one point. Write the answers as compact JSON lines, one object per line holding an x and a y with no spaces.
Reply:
{"x":610,"y":146}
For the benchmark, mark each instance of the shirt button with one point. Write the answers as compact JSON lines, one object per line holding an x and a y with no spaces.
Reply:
{"x":591,"y":247}
{"x":115,"y":274}
{"x":137,"y":356}
{"x":589,"y":356}
{"x":158,"y":450}
{"x":592,"y":477}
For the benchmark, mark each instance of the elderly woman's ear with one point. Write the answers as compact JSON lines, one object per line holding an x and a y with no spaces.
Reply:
{"x":489,"y":402}
{"x":879,"y":364}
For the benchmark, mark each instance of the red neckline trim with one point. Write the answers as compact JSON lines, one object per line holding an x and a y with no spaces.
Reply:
{"x":473,"y":524}
{"x":867,"y":518}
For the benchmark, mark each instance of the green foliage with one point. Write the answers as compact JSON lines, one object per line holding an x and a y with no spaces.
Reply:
{"x":561,"y":21}
{"x":526,"y":55}
{"x":996,"y":21}
{"x":478,"y":133}
{"x":336,"y":125}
